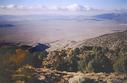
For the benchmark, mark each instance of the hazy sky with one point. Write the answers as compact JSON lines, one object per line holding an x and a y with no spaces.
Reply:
{"x":92,"y":3}
{"x":12,"y":6}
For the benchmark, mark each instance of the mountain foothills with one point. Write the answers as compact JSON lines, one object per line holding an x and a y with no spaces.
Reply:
{"x":97,"y":60}
{"x":112,"y":41}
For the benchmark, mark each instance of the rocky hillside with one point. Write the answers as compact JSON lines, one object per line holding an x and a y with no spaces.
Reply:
{"x":98,"y":60}
{"x":54,"y":76}
{"x":61,"y":44}
{"x":44,"y":75}
{"x":112,"y":41}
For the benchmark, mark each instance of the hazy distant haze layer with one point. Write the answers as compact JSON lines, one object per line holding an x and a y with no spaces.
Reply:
{"x":45,"y":29}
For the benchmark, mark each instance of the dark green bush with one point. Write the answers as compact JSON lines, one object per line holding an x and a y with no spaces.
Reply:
{"x":95,"y":61}
{"x":37,"y":58}
{"x":120,"y":64}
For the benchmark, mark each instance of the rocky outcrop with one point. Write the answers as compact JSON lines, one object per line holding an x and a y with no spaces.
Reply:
{"x":53,"y":76}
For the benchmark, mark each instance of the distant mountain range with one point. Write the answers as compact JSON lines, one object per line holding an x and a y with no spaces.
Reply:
{"x":120,"y":17}
{"x":6,"y":25}
{"x":117,"y":17}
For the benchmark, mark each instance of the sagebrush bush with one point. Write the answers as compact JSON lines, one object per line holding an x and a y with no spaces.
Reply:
{"x":120,"y":64}
{"x":95,"y":61}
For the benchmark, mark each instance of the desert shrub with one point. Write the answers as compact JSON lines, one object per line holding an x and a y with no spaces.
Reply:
{"x":11,"y":58}
{"x":87,"y":58}
{"x":100,"y":64}
{"x":95,"y":61}
{"x":62,"y":60}
{"x":18,"y":57}
{"x":68,"y":64}
{"x":120,"y":64}
{"x":84,"y":60}
{"x":38,"y":57}
{"x":76,"y":51}
{"x":9,"y":62}
{"x":5,"y":74}
{"x":68,"y":61}
{"x":14,"y":57}
{"x":24,"y":74}
{"x":53,"y":60}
